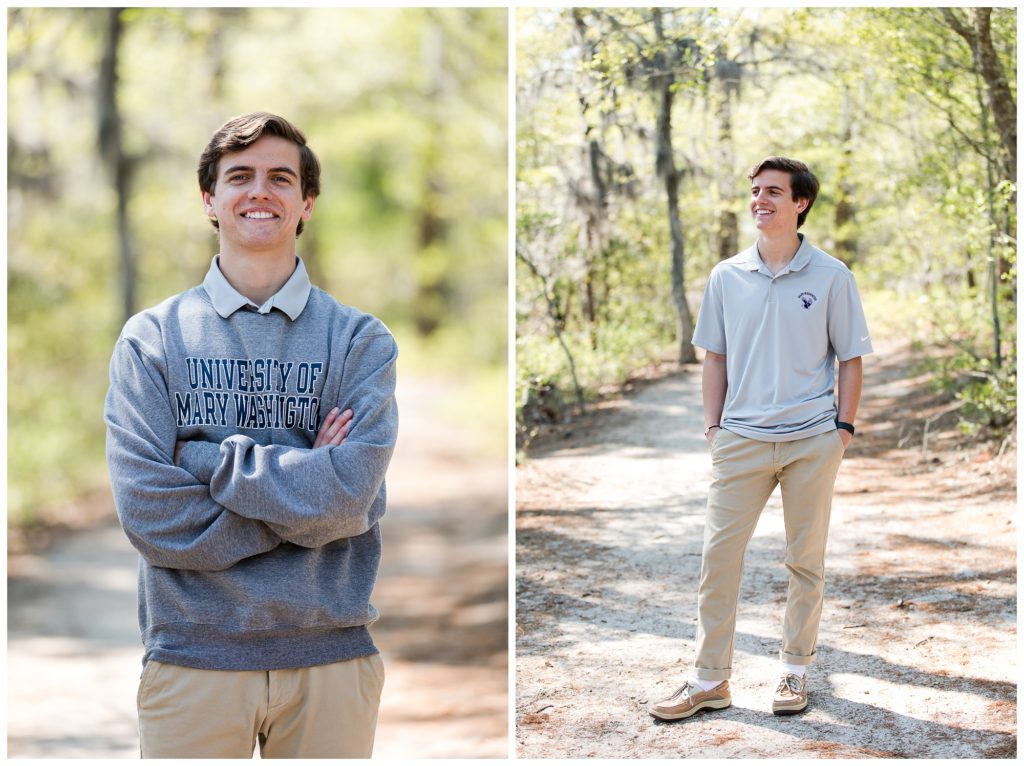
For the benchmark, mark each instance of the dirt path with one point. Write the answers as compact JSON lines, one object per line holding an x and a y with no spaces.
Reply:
{"x":73,"y":638}
{"x":918,"y":639}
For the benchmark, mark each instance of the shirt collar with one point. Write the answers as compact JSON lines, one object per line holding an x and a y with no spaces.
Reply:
{"x":803,"y":254}
{"x":752,"y":259}
{"x":291,"y":298}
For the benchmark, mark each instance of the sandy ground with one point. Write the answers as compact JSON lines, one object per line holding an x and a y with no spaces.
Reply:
{"x":73,"y":639}
{"x":917,"y":649}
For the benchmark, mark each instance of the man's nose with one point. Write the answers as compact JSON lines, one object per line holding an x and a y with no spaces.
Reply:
{"x":259,"y":187}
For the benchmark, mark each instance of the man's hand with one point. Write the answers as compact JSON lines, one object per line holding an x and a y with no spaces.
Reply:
{"x":711,"y":433}
{"x":334,"y":429}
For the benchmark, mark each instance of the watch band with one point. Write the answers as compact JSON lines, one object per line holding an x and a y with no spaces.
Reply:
{"x":845,"y":426}
{"x":708,"y":429}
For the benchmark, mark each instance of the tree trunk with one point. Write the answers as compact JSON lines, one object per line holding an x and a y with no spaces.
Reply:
{"x":1000,"y":100}
{"x":684,"y":320}
{"x":1000,"y":97}
{"x":846,"y":240}
{"x":592,"y":196}
{"x":1004,"y":113}
{"x":309,"y":248}
{"x":119,"y":166}
{"x":665,"y":165}
{"x":433,"y":288}
{"x":1004,"y":109}
{"x":596,"y":206}
{"x":727,"y":74}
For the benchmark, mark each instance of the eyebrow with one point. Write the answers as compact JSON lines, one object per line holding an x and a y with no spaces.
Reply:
{"x":777,"y":188}
{"x":250,"y":169}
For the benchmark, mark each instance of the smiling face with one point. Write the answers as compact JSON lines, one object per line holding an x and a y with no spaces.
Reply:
{"x":257,"y":199}
{"x":772,"y":205}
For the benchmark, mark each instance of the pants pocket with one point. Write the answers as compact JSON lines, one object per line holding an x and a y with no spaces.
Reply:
{"x":717,"y":438}
{"x":146,"y":681}
{"x":372,"y":671}
{"x":840,"y":440}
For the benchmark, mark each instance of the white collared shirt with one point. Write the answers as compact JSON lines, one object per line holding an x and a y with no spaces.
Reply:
{"x":291,"y":298}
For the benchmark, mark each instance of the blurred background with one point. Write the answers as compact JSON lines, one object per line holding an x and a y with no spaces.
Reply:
{"x":635,"y":131}
{"x":407,"y":109}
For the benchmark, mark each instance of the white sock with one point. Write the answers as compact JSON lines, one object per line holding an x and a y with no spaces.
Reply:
{"x":706,"y":685}
{"x":797,"y":670}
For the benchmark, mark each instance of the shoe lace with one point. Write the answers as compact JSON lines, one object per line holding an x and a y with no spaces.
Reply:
{"x":686,"y":689}
{"x":791,"y":683}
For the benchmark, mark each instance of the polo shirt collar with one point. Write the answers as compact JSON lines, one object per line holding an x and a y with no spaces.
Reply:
{"x":752,"y":258}
{"x":803,"y":255}
{"x":291,"y":298}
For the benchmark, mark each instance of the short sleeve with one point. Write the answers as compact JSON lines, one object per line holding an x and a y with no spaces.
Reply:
{"x":847,"y":326}
{"x":710,"y":331}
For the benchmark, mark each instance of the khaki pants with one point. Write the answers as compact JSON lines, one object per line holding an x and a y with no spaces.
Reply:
{"x":745,"y":473}
{"x":327,"y":711}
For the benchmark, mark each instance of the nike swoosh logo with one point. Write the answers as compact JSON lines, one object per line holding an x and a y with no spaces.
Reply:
{"x":864,"y":338}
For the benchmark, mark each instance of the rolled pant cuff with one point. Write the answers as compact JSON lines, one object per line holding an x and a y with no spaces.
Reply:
{"x":717,"y":674}
{"x":796,"y":659}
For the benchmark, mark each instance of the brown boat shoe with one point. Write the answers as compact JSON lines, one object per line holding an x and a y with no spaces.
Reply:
{"x":689,"y":699}
{"x":791,"y":696}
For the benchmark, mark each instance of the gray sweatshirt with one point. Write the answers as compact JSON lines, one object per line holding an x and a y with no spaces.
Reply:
{"x":257,"y":551}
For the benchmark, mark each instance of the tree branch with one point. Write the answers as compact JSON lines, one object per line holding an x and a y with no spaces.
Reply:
{"x":959,"y":27}
{"x":553,"y":313}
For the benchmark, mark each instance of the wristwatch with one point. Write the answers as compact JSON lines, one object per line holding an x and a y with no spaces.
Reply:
{"x":845,"y":426}
{"x":708,"y":429}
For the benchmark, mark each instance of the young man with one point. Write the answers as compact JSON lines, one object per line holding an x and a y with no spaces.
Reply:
{"x":250,"y":421}
{"x":774,"y":320}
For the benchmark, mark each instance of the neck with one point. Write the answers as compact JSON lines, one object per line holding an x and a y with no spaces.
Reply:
{"x":777,"y":251}
{"x":256,"y":275}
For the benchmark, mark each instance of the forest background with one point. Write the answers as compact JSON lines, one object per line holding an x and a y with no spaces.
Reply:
{"x":636,"y":128}
{"x":108,"y":111}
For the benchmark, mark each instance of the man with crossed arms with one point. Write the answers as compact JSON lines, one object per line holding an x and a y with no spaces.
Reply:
{"x":250,"y":423}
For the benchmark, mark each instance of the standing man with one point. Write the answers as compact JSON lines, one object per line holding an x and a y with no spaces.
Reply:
{"x":250,"y":422}
{"x":774,"y":320}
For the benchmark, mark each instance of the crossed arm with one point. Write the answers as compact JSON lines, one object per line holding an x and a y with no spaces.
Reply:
{"x":331,"y":434}
{"x":206,"y":506}
{"x":167,"y":515}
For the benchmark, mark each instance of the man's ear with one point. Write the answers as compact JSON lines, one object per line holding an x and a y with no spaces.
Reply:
{"x":801,"y":204}
{"x":208,"y":204}
{"x":307,"y":210}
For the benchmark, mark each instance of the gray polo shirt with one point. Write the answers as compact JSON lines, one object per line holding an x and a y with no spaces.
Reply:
{"x":781,"y":336}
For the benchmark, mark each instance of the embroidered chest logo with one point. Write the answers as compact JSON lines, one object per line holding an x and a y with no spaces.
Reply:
{"x":808,"y":299}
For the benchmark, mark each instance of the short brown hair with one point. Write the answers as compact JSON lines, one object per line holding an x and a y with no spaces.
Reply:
{"x":242,"y":131}
{"x":802,"y":181}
